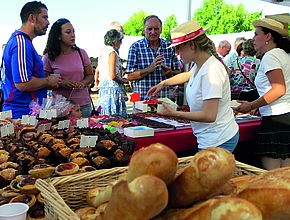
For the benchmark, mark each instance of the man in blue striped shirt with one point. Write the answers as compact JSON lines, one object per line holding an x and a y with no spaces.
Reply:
{"x":22,"y":75}
{"x":150,"y":60}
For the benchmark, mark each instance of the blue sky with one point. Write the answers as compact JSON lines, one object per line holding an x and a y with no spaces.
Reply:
{"x":91,"y":18}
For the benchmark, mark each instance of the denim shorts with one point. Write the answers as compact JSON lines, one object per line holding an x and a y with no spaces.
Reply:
{"x":232,"y":143}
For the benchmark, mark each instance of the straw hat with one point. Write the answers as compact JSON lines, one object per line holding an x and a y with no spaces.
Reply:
{"x":186,"y":32}
{"x":272,"y":24}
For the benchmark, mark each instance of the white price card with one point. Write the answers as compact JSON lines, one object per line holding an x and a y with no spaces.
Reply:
{"x":63,"y":124}
{"x":47,"y":114}
{"x":7,"y":129}
{"x":83,"y":123}
{"x":43,"y":127}
{"x":88,"y":141}
{"x":6,"y":114}
{"x":29,"y":120}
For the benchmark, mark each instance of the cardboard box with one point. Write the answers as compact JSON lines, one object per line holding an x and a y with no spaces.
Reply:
{"x":139,"y":131}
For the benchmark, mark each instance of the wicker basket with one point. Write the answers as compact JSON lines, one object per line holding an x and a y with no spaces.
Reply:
{"x":62,"y":195}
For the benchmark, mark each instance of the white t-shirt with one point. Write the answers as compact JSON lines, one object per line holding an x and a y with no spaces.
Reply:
{"x":274,"y":59}
{"x":211,"y":81}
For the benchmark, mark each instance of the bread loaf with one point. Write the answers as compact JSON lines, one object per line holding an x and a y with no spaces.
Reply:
{"x":208,"y":171}
{"x":270,"y":192}
{"x":219,"y":208}
{"x":156,"y":159}
{"x":143,"y":198}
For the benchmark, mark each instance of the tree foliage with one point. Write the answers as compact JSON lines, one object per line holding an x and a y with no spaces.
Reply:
{"x":134,"y":26}
{"x":168,"y":25}
{"x":224,"y":18}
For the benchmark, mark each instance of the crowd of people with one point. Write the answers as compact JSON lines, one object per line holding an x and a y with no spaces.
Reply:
{"x":215,"y":77}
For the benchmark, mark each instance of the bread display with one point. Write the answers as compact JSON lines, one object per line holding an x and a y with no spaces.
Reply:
{"x":208,"y":171}
{"x":156,"y":160}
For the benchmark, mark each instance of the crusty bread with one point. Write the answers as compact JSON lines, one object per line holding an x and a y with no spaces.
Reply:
{"x":270,"y":192}
{"x":218,"y":208}
{"x":143,"y":198}
{"x":208,"y":171}
{"x":157,"y":160}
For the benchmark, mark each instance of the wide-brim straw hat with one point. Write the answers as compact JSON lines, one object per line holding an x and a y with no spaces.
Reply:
{"x":186,"y":32}
{"x":272,"y":24}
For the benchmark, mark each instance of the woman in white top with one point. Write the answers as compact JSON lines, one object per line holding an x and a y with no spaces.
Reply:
{"x":208,"y":89}
{"x":111,"y":94}
{"x":273,"y":84}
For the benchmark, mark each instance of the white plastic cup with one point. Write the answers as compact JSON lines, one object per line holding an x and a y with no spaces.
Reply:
{"x":13,"y":211}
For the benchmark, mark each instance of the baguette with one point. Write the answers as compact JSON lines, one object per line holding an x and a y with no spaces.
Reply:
{"x":270,"y":192}
{"x":208,"y":171}
{"x":218,"y":208}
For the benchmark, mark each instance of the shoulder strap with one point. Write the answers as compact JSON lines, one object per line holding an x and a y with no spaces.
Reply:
{"x":79,"y":51}
{"x":244,"y":74}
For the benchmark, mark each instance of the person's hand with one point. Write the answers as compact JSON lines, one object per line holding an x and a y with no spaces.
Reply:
{"x":244,"y":107}
{"x":68,"y":84}
{"x":166,"y":110}
{"x":53,"y":81}
{"x":155,"y":90}
{"x":166,"y":70}
{"x":156,"y":63}
{"x":125,"y":80}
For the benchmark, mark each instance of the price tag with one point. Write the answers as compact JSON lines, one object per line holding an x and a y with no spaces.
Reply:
{"x":7,"y":129}
{"x":6,"y":114}
{"x":83,"y":123}
{"x":43,"y":127}
{"x":88,"y":141}
{"x":63,"y":124}
{"x":48,"y":114}
{"x":29,"y":120}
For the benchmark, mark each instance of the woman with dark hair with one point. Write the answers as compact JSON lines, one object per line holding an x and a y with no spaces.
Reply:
{"x":111,"y":94}
{"x":207,"y":91}
{"x":273,"y":84}
{"x":62,"y":57}
{"x":244,"y":69}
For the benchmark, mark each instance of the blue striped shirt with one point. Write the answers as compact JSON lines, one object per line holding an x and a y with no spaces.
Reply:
{"x":141,"y":55}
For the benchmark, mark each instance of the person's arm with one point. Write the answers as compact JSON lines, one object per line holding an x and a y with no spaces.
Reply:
{"x":51,"y":82}
{"x":88,"y":76}
{"x":278,"y":89}
{"x":208,"y":114}
{"x":140,"y":74}
{"x":112,"y":68}
{"x":175,"y":80}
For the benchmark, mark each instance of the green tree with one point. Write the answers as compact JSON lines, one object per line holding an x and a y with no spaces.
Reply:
{"x":224,"y":18}
{"x":168,"y":25}
{"x":134,"y":26}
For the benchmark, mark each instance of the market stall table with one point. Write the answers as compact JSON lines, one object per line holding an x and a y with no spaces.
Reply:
{"x":183,"y":139}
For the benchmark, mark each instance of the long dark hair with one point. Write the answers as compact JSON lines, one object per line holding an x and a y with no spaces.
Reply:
{"x":282,"y":42}
{"x":52,"y":48}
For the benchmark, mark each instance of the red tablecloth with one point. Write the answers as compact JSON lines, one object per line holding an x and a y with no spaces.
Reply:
{"x":183,"y":139}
